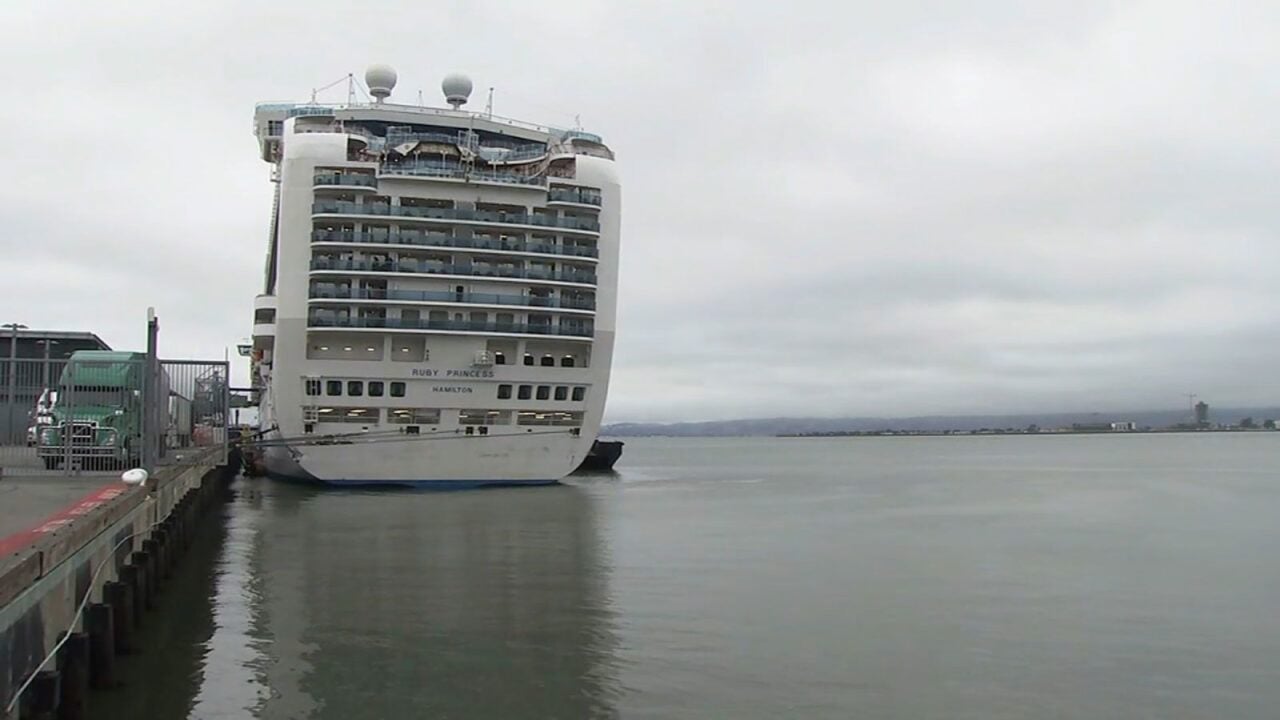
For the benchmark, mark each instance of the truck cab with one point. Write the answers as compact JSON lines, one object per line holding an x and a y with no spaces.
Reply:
{"x":97,"y":419}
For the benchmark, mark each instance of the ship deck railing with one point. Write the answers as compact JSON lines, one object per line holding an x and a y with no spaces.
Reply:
{"x":320,"y":321}
{"x":429,"y":240}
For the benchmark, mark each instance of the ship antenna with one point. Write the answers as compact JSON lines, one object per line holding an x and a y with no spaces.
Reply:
{"x":488,"y":107}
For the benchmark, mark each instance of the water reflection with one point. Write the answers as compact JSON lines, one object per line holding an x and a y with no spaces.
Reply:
{"x":370,"y":605}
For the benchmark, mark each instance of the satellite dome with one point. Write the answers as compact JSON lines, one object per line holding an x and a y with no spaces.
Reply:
{"x":381,"y":79}
{"x":457,"y":88}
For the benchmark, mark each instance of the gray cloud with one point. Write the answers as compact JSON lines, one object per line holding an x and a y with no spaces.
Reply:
{"x":870,"y":210}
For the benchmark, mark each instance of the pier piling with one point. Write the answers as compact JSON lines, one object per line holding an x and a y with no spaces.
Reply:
{"x":100,"y":624}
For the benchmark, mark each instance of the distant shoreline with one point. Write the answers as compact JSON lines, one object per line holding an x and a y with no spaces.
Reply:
{"x":1005,"y":432}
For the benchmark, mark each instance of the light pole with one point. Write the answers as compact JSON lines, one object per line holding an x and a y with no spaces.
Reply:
{"x":13,"y":371}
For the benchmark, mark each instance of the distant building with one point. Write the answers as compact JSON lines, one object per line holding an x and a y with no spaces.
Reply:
{"x":1126,"y":426}
{"x":1202,"y":413}
{"x":32,"y":361}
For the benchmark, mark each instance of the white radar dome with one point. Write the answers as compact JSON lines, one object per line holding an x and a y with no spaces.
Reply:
{"x":381,"y":79}
{"x":457,"y":88}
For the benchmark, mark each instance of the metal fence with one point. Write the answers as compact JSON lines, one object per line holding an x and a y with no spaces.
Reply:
{"x":103,"y":411}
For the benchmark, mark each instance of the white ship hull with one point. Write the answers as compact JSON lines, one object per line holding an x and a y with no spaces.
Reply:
{"x":455,"y":462}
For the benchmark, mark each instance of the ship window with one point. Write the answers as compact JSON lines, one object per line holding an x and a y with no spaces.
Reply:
{"x":579,"y":393}
{"x":499,"y":359}
{"x":504,"y":392}
{"x":562,"y":392}
{"x":575,"y":432}
{"x":313,"y":388}
{"x":397,"y":389}
{"x":528,"y":359}
{"x":484,"y":431}
{"x":526,"y":392}
{"x":355,"y":388}
{"x":333,"y":387}
{"x":411,"y":430}
{"x":566,"y":361}
{"x":354,"y":415}
{"x":548,"y":361}
{"x":547,"y":417}
{"x":375,"y":388}
{"x":413,"y":416}
{"x":544,"y":392}
{"x":308,"y":428}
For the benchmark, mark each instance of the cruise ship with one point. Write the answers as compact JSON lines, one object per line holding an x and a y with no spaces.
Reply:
{"x":439,"y":296}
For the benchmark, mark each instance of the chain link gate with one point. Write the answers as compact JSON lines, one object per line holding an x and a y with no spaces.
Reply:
{"x":104,"y":411}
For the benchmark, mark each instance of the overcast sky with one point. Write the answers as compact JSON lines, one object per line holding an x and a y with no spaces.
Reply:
{"x":858,"y":208}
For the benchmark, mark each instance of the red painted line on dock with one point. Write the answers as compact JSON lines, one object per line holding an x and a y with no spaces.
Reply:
{"x":81,"y":507}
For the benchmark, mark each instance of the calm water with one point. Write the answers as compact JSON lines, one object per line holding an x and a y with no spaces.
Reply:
{"x":1020,"y":577}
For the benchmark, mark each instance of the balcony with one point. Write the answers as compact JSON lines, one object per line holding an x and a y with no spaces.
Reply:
{"x":485,"y":217}
{"x":445,"y":296}
{"x":451,"y":241}
{"x":438,"y":268}
{"x":342,"y":179}
{"x":454,"y":172}
{"x":573,"y":331}
{"x":577,"y":197}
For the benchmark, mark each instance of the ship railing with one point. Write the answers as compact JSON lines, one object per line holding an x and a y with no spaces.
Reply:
{"x":431,"y":213}
{"x":429,"y":240}
{"x":574,"y":330}
{"x":460,"y":173}
{"x":452,"y":297}
{"x":575,"y":196}
{"x":351,"y":179}
{"x":435,"y":268}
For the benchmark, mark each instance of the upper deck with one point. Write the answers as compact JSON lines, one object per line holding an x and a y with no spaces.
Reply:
{"x":381,"y":124}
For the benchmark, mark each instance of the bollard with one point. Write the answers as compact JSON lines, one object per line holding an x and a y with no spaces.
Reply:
{"x":100,"y":623}
{"x":120,"y":595}
{"x":73,"y":662}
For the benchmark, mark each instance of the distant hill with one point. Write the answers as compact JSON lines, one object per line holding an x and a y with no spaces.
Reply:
{"x":938,"y":423}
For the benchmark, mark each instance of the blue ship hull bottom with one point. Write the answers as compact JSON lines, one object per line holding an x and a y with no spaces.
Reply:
{"x":413,"y":484}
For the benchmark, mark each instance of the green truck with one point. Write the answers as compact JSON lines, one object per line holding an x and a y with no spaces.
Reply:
{"x":99,"y":411}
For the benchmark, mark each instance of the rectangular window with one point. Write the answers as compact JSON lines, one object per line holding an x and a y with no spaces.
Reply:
{"x":499,"y":359}
{"x":544,"y":392}
{"x":397,"y":389}
{"x":353,"y":415}
{"x":562,"y":392}
{"x":504,"y":392}
{"x":546,"y":417}
{"x":355,"y":388}
{"x":579,"y":393}
{"x":313,"y":388}
{"x":526,"y":392}
{"x":413,"y":416}
{"x":567,"y":361}
{"x":484,"y":417}
{"x":548,"y":361}
{"x":528,"y":359}
{"x":375,"y":388}
{"x":333,"y":388}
